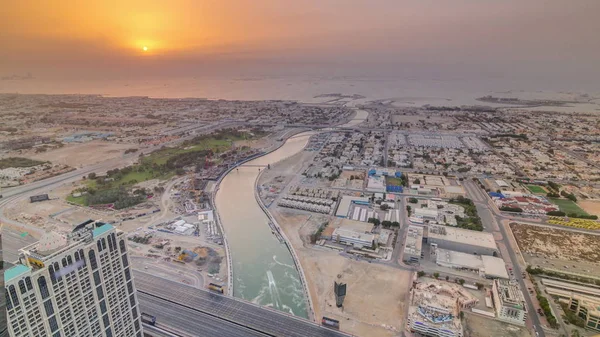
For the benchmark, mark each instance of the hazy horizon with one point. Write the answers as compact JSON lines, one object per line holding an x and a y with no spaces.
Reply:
{"x":530,"y":42}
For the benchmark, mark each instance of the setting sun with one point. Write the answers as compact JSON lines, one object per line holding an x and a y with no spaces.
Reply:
{"x":145,"y":48}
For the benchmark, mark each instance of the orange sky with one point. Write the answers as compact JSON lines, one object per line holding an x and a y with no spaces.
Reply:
{"x":43,"y":35}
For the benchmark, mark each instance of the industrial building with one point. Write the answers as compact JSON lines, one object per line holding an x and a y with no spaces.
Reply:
{"x":413,"y":244}
{"x":583,"y":300}
{"x":509,"y":302}
{"x":347,"y":201}
{"x":435,"y":306}
{"x":74,"y":285}
{"x":484,"y":265}
{"x":353,"y":238}
{"x":461,"y":240}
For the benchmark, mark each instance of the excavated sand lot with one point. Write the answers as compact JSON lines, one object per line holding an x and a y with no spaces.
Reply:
{"x":376,"y":297}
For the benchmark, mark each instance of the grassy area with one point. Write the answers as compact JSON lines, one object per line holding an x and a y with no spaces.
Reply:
{"x":536,"y":189}
{"x":568,"y":206}
{"x":77,"y":200}
{"x":161,"y":157}
{"x":115,"y":187}
{"x":19,"y":162}
{"x":393,"y":181}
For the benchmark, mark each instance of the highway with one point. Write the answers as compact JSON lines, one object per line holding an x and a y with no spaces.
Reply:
{"x":189,"y":309}
{"x":491,"y":219}
{"x":188,"y":321}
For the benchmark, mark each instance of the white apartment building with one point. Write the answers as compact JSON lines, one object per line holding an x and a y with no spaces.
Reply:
{"x":74,"y":285}
{"x":509,"y":302}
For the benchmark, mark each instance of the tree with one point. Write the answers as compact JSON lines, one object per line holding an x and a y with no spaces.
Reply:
{"x":420,"y":273}
{"x":408,"y":209}
{"x":384,"y":207}
{"x":413,"y":200}
{"x":447,"y":278}
{"x":395,"y":224}
{"x":436,"y":275}
{"x":417,"y":181}
{"x":92,"y":175}
{"x":479,"y":285}
{"x":386,"y":223}
{"x":461,"y":281}
{"x":374,"y":221}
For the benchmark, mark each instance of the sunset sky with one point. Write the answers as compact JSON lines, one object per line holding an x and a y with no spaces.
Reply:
{"x":106,"y":38}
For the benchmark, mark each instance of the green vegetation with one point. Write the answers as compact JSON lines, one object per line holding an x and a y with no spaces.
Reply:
{"x":554,"y":185}
{"x":420,"y":273}
{"x":396,"y":181}
{"x":546,"y":308}
{"x":571,"y":317}
{"x":511,"y":209}
{"x":200,"y":152}
{"x":536,"y":189}
{"x":471,"y":221}
{"x":413,"y":200}
{"x":541,"y":271}
{"x":77,"y":200}
{"x":317,"y":235}
{"x":569,"y":207}
{"x":19,"y":162}
{"x":374,"y":221}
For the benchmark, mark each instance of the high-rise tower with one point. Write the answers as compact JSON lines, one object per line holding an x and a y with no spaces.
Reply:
{"x":74,"y":285}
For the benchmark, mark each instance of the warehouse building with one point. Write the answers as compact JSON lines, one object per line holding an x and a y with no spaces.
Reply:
{"x":461,"y":240}
{"x":347,"y":201}
{"x":509,"y":302}
{"x":484,"y":265}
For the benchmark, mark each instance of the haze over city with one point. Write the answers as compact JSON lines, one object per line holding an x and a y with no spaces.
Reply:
{"x":332,"y":168}
{"x":534,"y":41}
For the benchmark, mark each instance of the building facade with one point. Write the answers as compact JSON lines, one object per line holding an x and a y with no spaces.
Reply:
{"x":78,"y":285}
{"x":509,"y":302}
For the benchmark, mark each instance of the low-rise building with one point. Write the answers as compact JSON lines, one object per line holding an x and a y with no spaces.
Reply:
{"x":509,"y":302}
{"x":353,"y":238}
{"x":413,"y":244}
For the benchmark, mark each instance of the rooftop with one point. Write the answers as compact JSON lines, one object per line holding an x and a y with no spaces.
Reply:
{"x":464,"y":236}
{"x":102,"y":229}
{"x":15,"y":272}
{"x":344,"y":206}
{"x":414,"y":240}
{"x":349,"y":233}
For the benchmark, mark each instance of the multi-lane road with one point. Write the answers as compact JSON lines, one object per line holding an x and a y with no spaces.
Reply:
{"x":198,"y":312}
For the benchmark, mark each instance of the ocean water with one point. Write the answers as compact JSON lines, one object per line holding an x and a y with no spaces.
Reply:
{"x":403,"y":91}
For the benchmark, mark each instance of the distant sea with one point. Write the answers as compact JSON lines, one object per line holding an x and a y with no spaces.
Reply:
{"x":403,"y":91}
